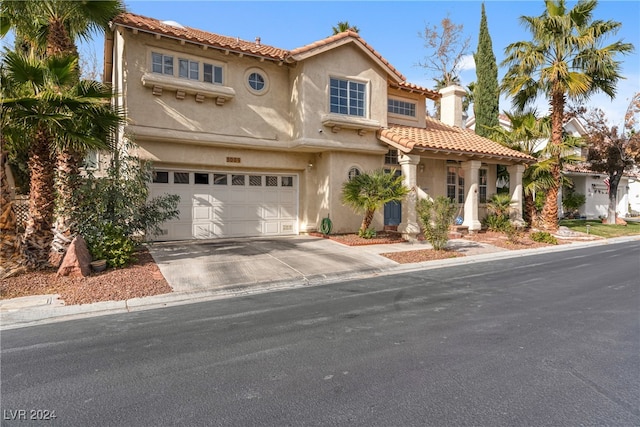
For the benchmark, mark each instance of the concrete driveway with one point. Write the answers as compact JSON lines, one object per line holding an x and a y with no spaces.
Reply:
{"x":192,"y":266}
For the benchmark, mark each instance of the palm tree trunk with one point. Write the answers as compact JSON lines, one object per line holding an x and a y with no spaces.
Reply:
{"x":550,"y":209}
{"x":531,"y":215}
{"x":367,"y":220}
{"x":68,"y":171}
{"x":38,"y":234}
{"x":11,"y":261}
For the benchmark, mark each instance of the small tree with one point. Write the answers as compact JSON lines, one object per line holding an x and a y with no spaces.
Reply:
{"x":435,"y":217}
{"x":572,"y":201}
{"x":446,"y":49}
{"x":112,"y":210}
{"x":369,"y":192}
{"x":613,"y":151}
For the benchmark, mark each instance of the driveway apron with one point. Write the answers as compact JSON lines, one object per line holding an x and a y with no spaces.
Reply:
{"x":190,"y":266}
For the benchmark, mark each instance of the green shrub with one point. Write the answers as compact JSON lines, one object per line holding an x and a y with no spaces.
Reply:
{"x":543,"y":237}
{"x":369,"y":233}
{"x":120,"y":197}
{"x":109,"y":242}
{"x":499,"y":208}
{"x":436,"y":216}
{"x":494,"y":222}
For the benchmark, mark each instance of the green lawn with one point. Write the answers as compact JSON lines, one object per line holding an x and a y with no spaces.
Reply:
{"x":597,"y":228}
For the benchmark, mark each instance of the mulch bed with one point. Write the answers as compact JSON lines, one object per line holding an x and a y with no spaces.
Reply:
{"x":140,"y":279}
{"x":355,"y":240}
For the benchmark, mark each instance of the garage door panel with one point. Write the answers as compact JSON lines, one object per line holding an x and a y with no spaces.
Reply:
{"x":237,"y":195}
{"x":201,"y":200}
{"x":270,"y":212}
{"x":259,"y":204}
{"x":202,"y":213}
{"x":287,"y":212}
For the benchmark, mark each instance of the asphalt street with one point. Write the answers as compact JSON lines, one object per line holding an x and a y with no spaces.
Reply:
{"x":545,"y":340}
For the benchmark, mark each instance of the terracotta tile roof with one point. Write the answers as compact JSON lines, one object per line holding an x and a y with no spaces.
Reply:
{"x":155,"y":26}
{"x":447,"y":139}
{"x":431,"y":94}
{"x":345,"y":35}
{"x":583,"y":167}
{"x":235,"y":44}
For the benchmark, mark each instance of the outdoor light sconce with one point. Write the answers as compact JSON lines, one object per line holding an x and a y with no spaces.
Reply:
{"x":421,"y":167}
{"x":310,"y":165}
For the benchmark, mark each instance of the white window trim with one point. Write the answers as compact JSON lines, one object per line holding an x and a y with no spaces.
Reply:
{"x":367,"y":94}
{"x":176,"y":65}
{"x":403,"y":116}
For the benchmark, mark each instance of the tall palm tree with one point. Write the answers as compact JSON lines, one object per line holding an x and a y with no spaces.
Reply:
{"x":52,"y":27}
{"x":52,"y":116}
{"x":566,"y":58}
{"x":344,"y":26}
{"x":368,"y":192}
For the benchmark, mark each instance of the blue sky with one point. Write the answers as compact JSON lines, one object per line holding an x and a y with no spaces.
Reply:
{"x":392,"y":29}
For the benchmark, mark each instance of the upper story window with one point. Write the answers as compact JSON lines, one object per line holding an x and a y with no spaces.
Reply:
{"x":256,"y":81}
{"x":401,"y":107}
{"x":347,"y":97}
{"x":212,"y":73}
{"x":162,"y":64}
{"x":187,"y":68}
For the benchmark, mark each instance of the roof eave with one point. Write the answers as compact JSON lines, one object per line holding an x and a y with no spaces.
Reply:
{"x":197,"y":43}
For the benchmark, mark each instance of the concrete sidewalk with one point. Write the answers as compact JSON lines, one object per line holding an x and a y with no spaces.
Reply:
{"x":216,"y":269}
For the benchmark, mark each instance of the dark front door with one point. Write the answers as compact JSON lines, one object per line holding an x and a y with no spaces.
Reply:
{"x":393,"y":210}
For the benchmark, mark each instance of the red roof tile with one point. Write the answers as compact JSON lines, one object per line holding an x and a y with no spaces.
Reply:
{"x":448,"y":139}
{"x":235,"y":44}
{"x":346,"y":35}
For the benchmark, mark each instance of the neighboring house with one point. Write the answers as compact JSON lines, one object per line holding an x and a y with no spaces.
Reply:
{"x":257,"y":140}
{"x":592,"y":184}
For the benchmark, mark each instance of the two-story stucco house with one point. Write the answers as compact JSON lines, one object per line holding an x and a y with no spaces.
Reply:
{"x":258,"y":140}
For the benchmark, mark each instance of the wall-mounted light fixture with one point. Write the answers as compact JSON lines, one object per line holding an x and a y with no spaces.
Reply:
{"x":421,"y":167}
{"x":309,"y":165}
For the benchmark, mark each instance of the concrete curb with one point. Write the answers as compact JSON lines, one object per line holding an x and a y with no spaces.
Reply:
{"x":12,"y":316}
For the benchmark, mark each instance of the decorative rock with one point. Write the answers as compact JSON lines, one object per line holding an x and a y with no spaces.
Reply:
{"x":76,"y":260}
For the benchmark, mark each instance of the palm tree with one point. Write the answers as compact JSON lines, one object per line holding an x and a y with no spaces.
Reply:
{"x":567,"y":58}
{"x":368,"y":192}
{"x":51,"y":117}
{"x":344,"y":26}
{"x":525,"y":135}
{"x":52,"y":27}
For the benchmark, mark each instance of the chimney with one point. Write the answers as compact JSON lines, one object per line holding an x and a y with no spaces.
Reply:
{"x":258,"y":41}
{"x":451,"y":105}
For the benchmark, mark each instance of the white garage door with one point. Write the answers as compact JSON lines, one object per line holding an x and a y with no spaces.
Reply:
{"x":222,"y":204}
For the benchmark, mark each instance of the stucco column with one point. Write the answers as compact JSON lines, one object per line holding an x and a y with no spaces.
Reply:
{"x":515,"y":189}
{"x":409,"y":226}
{"x":471,"y":177}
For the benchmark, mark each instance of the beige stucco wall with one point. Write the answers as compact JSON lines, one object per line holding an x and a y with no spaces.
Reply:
{"x":310,"y":96}
{"x":245,"y":115}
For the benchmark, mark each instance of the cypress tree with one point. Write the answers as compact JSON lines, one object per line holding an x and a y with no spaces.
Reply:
{"x":486,"y":106}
